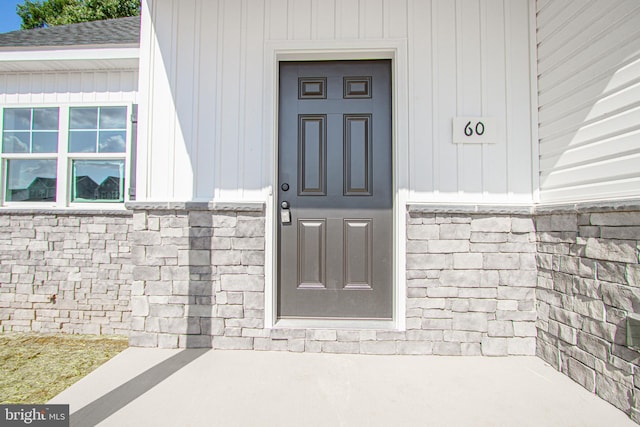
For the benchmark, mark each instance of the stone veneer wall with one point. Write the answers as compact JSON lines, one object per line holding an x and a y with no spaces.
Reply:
{"x":65,"y":271}
{"x":471,"y":282}
{"x":199,"y":282}
{"x":588,"y":281}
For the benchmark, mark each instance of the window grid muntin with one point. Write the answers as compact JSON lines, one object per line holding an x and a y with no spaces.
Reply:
{"x":98,"y":130}
{"x":31,"y":128}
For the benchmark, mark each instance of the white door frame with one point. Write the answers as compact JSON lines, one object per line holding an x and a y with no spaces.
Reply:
{"x":396,"y":50}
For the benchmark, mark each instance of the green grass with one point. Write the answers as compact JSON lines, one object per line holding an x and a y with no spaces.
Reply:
{"x":36,"y":367}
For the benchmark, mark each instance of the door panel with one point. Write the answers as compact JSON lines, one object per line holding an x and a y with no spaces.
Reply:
{"x":335,"y":175}
{"x":312,"y":238}
{"x":312,"y":149}
{"x":357,"y":154}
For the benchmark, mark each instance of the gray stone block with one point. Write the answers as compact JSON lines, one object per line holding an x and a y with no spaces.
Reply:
{"x":513,"y":293}
{"x":612,"y":250}
{"x":483,"y":305}
{"x":432,"y":303}
{"x":423,"y":232}
{"x":194,"y":341}
{"x":448,"y":246}
{"x":415,"y":347}
{"x":491,"y":224}
{"x":522,"y":225}
{"x":146,"y":273}
{"x":521,"y":346}
{"x":348,"y":347}
{"x":139,"y":306}
{"x":425,"y":335}
{"x":267,"y":344}
{"x":437,"y":324}
{"x":461,"y":278}
{"x":478,"y":293}
{"x":623,"y":233}
{"x":458,"y":305}
{"x":518,"y":278}
{"x":494,"y":346}
{"x":589,"y":307}
{"x":616,"y":218}
{"x":442,"y":292}
{"x":249,"y":243}
{"x":232,"y":343}
{"x":427,"y":261}
{"x":322,"y":335}
{"x":593,"y":345}
{"x":143,"y":339}
{"x":462,"y":336}
{"x":477,"y":322}
{"x":613,"y":392}
{"x":378,"y":347}
{"x":163,"y":311}
{"x":501,"y":261}
{"x":230,"y":311}
{"x":250,"y":228}
{"x":632,"y":275}
{"x":455,"y":231}
{"x":524,"y":329}
{"x":487,"y":237}
{"x":467,"y":261}
{"x":242,"y":282}
{"x":497,"y":328}
{"x":622,"y":297}
{"x":447,"y":349}
{"x":167,"y":341}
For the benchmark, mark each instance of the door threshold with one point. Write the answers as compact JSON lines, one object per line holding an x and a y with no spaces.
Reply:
{"x":310,"y":323}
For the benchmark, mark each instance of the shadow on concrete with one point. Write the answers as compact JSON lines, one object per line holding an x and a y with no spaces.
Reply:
{"x":107,"y":405}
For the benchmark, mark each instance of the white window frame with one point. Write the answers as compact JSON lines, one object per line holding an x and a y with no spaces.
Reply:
{"x":65,"y":160}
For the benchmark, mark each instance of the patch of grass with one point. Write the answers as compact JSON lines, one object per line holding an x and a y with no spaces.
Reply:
{"x":36,"y":367}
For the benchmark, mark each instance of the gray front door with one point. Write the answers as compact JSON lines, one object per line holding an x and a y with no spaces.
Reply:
{"x":335,"y":183}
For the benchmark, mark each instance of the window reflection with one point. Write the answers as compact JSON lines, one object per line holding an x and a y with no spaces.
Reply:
{"x":83,"y":118}
{"x":113,"y":118}
{"x":98,"y":180}
{"x":31,"y":180}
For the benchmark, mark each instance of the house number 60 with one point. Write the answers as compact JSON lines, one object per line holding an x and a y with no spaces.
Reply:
{"x":469,"y":129}
{"x":475,"y":130}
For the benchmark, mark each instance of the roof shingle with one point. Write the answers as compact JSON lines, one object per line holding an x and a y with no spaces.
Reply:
{"x":107,"y":32}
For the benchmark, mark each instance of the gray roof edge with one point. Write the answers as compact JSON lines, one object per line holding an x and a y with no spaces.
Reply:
{"x":53,"y":47}
{"x":102,"y":32}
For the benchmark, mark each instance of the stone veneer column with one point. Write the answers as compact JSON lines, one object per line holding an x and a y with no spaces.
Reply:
{"x":471,"y":281}
{"x":198,"y":276}
{"x":588,"y":282}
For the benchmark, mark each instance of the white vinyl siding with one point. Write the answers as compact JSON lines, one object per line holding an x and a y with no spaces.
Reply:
{"x":589,"y":83}
{"x":66,"y":87}
{"x":205,"y":132}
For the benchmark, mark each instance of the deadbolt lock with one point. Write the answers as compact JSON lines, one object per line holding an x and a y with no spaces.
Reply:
{"x":285,"y":213}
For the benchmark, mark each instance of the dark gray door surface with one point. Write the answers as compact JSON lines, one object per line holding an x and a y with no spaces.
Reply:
{"x":335,"y":180}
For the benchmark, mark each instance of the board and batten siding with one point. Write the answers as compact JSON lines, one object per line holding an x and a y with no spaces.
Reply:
{"x":205,"y":132}
{"x":589,"y":99}
{"x":68,"y":88}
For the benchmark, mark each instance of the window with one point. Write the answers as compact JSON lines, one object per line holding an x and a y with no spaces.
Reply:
{"x":29,"y":133}
{"x":65,"y":156}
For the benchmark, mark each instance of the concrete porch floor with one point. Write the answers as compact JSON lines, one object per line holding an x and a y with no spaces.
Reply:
{"x":154,"y":387}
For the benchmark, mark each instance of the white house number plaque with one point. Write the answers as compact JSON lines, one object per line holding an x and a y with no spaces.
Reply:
{"x":475,"y":130}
